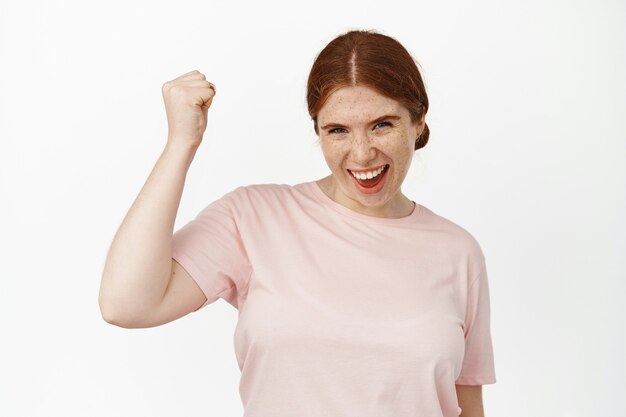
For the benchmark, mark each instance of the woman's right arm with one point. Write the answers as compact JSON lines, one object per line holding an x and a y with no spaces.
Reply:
{"x":139,"y":274}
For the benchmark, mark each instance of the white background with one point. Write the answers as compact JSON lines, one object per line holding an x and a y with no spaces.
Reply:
{"x":528,"y":137}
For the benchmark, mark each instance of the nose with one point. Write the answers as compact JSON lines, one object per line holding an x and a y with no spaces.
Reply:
{"x":363,"y":149}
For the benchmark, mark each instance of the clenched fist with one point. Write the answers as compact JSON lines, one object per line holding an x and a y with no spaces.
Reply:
{"x":187,"y":100}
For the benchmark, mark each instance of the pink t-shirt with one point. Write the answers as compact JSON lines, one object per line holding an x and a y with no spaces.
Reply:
{"x":340,"y":313}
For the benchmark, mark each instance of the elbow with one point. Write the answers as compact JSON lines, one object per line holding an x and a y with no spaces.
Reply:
{"x":122,"y":313}
{"x":126,"y":320}
{"x":117,"y":320}
{"x":110,"y":314}
{"x":108,"y":308}
{"x":105,"y":305}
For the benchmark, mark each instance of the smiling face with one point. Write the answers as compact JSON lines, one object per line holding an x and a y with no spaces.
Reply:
{"x":361,"y":131}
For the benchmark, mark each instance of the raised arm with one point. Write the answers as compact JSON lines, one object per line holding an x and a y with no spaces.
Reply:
{"x":139,"y":270}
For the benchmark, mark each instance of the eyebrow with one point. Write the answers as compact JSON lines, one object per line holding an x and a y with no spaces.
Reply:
{"x":378,"y":119}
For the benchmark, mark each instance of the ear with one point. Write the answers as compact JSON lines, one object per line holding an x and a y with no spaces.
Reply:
{"x":419,"y":126}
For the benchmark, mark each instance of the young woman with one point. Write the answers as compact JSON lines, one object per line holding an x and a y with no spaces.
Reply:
{"x":353,"y":299}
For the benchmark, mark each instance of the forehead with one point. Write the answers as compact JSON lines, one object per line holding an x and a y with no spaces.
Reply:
{"x":357,"y":104}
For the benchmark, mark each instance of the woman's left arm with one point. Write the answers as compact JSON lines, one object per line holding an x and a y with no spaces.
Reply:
{"x":470,"y":399}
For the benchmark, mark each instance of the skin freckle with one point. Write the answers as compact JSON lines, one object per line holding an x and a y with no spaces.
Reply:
{"x":361,"y":145}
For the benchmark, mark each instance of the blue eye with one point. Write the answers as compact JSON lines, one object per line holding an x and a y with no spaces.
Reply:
{"x":341,"y":129}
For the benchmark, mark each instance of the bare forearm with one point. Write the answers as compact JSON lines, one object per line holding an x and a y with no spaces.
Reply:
{"x":138,"y":264}
{"x":470,"y":398}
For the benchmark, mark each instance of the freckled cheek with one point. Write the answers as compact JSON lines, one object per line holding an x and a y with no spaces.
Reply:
{"x":394,"y":146}
{"x":333,"y":155}
{"x":400,"y":154}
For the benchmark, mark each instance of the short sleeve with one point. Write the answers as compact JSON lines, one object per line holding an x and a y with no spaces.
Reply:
{"x":210,"y":248}
{"x":478,"y":361}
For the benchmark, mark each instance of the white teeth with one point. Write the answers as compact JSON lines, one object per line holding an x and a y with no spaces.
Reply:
{"x":369,"y":174}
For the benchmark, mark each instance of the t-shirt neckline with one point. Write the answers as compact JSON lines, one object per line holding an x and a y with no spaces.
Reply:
{"x":340,"y":208}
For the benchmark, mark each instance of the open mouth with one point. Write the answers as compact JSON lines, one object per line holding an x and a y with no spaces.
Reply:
{"x":376,"y":177}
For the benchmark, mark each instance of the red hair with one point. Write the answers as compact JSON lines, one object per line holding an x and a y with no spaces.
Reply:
{"x":368,"y":58}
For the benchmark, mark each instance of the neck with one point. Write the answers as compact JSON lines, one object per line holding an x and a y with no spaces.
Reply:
{"x":399,"y":206}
